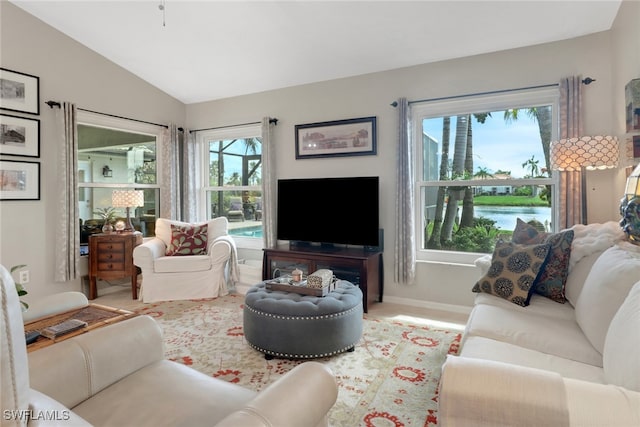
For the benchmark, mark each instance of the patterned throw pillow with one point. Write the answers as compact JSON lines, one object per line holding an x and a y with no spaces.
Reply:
{"x":188,"y":240}
{"x":554,"y":276}
{"x":513,"y":272}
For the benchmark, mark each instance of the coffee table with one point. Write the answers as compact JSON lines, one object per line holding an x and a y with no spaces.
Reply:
{"x":95,"y":315}
{"x":289,"y":325}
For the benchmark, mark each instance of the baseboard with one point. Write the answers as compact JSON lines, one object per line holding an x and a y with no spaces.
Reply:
{"x":454,"y":308}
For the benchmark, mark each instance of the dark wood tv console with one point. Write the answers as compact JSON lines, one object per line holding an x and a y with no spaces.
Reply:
{"x":360,"y":267}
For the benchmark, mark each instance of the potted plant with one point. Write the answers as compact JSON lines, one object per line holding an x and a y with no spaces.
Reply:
{"x":107,"y":214}
{"x":20,"y":287}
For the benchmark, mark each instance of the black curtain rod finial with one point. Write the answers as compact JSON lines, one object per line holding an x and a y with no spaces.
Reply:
{"x":394,"y":104}
{"x":588,"y":80}
{"x":52,"y":104}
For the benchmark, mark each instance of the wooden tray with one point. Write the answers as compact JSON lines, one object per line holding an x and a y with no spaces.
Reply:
{"x":299,"y":289}
{"x":95,"y":315}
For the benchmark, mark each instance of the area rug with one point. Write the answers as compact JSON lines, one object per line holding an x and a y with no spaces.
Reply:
{"x":391,"y":378}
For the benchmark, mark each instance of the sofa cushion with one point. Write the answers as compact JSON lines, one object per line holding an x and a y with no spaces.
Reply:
{"x":553,"y":277}
{"x":514,"y":271}
{"x":538,"y":305}
{"x":187,"y":240}
{"x":577,"y":275}
{"x":490,"y":349}
{"x":607,"y":285}
{"x":182,"y":264}
{"x":621,"y":357}
{"x":549,"y":335}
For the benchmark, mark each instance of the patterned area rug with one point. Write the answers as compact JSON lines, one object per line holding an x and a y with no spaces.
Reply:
{"x":390,"y":379}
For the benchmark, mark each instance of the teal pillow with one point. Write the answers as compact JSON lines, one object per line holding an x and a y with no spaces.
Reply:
{"x":553,"y":278}
{"x":514,"y":271}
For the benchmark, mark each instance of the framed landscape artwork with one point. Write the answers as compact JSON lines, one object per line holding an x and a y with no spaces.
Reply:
{"x":19,"y":180}
{"x":19,"y":136}
{"x":352,"y":137}
{"x":19,"y":92}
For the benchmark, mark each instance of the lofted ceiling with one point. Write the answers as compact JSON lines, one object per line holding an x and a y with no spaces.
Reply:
{"x":205,"y":50}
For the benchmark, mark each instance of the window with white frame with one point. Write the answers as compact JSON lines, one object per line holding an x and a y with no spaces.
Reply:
{"x":481,"y":163}
{"x":233,"y":180}
{"x":116,"y":154}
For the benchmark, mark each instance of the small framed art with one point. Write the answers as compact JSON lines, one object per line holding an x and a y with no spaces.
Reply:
{"x":19,"y":92}
{"x":19,"y":136}
{"x":19,"y":180}
{"x":352,"y":137}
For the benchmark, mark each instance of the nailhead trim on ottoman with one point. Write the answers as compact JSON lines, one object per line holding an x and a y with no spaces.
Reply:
{"x":294,"y":326}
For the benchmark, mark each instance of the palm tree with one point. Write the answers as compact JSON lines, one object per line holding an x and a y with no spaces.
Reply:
{"x":483,"y":173}
{"x":533,"y":165}
{"x":434,"y":240}
{"x":460,"y":147}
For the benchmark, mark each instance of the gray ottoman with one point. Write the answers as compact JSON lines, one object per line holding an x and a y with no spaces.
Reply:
{"x":294,"y":326}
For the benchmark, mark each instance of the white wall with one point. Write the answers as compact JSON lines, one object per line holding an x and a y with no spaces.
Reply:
{"x":370,"y":95}
{"x":68,"y":71}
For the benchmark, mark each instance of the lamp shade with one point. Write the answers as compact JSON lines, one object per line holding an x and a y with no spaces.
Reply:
{"x":590,"y":152}
{"x":127,"y":198}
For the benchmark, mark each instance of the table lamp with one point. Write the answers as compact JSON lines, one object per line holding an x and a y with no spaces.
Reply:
{"x":630,"y":207}
{"x":585,"y":152}
{"x":127,"y":199}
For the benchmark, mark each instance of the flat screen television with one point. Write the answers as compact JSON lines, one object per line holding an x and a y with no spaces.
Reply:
{"x":329,"y":210}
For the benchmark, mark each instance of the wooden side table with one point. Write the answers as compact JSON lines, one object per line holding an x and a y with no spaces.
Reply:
{"x":111,"y":257}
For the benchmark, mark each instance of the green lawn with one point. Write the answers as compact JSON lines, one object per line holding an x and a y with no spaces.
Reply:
{"x":508,"y":201}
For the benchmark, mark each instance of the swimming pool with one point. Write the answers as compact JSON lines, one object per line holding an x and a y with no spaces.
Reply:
{"x":252,"y":231}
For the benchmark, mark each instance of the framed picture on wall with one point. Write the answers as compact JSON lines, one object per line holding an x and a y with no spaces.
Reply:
{"x":19,"y":92}
{"x":19,"y":180}
{"x":19,"y":136}
{"x":352,"y":137}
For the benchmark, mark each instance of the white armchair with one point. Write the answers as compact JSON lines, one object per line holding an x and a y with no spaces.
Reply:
{"x":177,"y":277}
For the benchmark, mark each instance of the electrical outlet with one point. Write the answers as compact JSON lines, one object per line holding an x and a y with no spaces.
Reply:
{"x":24,"y":276}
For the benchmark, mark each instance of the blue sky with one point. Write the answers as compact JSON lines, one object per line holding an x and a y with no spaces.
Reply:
{"x":497,"y":145}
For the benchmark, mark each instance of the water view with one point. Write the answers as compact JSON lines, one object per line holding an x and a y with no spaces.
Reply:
{"x":505,"y":216}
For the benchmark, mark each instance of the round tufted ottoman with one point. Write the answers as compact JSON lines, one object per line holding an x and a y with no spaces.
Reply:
{"x":290,"y":325}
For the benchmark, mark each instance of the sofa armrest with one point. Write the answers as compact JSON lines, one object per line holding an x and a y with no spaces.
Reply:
{"x":302,"y":397}
{"x":73,"y":370}
{"x":48,"y":412}
{"x":145,"y":254}
{"x":487,"y":393}
{"x":54,"y":304}
{"x":602,"y":405}
{"x":220,"y":250}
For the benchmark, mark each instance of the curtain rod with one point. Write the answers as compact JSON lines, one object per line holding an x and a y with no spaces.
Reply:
{"x":52,"y":104}
{"x":586,"y":81}
{"x":271,"y":120}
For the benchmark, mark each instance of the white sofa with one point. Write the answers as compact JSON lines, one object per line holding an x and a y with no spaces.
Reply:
{"x":552,"y":364}
{"x":117,"y":376}
{"x":178,"y":277}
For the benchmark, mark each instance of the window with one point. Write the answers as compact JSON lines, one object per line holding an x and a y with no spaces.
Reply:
{"x":233,"y":186}
{"x":482,"y":162}
{"x":116,"y":154}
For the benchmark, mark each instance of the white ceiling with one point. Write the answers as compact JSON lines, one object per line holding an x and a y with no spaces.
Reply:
{"x":217,"y":49}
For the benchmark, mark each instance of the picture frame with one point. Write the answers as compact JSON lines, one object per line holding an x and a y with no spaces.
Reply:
{"x":19,"y":92}
{"x":632,"y":105}
{"x":351,"y":137}
{"x":19,"y":136}
{"x":19,"y":180}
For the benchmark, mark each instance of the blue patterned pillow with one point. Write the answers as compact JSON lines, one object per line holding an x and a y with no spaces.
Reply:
{"x":514,"y":271}
{"x":554,"y":276}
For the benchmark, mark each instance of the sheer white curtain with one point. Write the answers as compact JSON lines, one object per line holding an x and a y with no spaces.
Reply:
{"x":405,"y":250}
{"x":68,"y":227}
{"x":570,"y":182}
{"x":268,"y":185}
{"x":170,"y":194}
{"x":191,"y":172}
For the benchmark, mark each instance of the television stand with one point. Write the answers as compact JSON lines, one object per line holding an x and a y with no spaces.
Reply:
{"x":356,"y":265}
